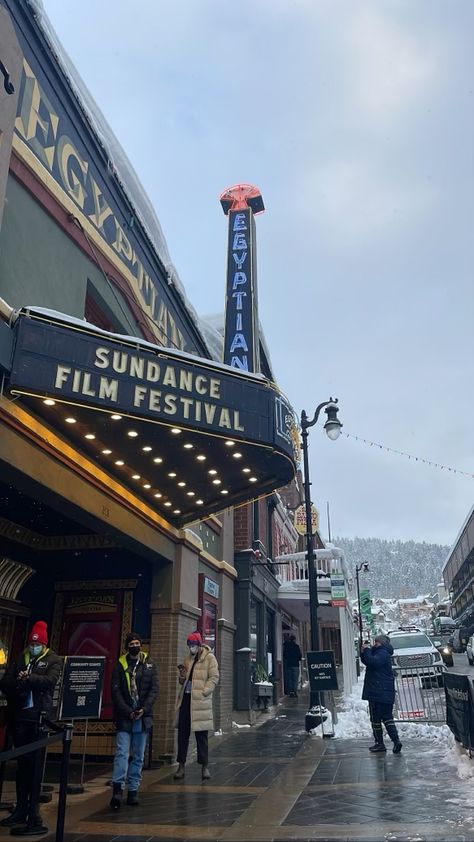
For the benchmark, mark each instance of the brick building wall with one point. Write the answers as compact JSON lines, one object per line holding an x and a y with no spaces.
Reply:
{"x":242,"y":527}
{"x":169,"y":630}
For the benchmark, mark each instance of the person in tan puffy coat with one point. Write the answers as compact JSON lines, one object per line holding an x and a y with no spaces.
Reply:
{"x":198,"y":676}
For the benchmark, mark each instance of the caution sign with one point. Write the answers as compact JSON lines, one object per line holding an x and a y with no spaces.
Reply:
{"x":321,"y":671}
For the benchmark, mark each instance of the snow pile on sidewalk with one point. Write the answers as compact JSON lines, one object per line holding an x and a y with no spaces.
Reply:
{"x":353,"y":717}
{"x":458,"y":757}
{"x":353,"y":722}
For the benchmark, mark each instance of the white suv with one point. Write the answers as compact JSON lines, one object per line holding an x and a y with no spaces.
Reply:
{"x":414,"y":654}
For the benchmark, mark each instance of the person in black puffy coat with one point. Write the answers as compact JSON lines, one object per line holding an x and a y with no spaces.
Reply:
{"x":379,"y":691}
{"x":28,"y":686}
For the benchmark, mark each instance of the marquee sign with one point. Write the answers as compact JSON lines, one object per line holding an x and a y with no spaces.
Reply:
{"x":142,"y":382}
{"x":231,"y":421}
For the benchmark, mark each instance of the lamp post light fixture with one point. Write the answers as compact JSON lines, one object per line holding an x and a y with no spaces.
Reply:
{"x":332,"y":428}
{"x":364,"y":567}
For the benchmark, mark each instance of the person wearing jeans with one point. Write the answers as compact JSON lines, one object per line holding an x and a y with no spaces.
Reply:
{"x":134,"y":690}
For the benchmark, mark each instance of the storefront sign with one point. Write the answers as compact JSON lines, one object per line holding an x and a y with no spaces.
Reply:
{"x":241,"y":336}
{"x":82,"y":685}
{"x":338,"y":590}
{"x":300,"y":519}
{"x":211,"y":587}
{"x":459,"y":707}
{"x":321,"y":671}
{"x":54,"y":141}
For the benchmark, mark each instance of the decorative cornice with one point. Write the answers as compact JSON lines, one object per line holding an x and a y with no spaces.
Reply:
{"x":97,"y":585}
{"x":22,"y":535}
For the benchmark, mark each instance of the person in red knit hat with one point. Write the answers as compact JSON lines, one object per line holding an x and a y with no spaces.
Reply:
{"x":198,"y":677}
{"x":28,"y":686}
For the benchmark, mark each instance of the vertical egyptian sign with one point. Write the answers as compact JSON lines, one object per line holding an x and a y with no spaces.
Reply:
{"x":241,"y":347}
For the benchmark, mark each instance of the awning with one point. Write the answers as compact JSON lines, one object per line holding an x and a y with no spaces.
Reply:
{"x":189,"y":435}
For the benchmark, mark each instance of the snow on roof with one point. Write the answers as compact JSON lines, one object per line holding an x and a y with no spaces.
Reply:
{"x":136,"y":341}
{"x":120,"y":165}
{"x":413,"y":599}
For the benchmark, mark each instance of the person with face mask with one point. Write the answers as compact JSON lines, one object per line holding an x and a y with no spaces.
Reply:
{"x":198,"y":676}
{"x":134,"y":690}
{"x":28,"y":686}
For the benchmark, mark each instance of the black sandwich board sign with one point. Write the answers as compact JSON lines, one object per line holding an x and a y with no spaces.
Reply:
{"x":321,"y":671}
{"x":83,"y":679}
{"x":459,"y":708}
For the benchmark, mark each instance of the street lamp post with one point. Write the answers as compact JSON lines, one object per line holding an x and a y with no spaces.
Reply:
{"x":364,"y":566}
{"x":332,"y":428}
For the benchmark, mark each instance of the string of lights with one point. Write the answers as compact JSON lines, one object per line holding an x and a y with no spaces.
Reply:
{"x":408,"y":455}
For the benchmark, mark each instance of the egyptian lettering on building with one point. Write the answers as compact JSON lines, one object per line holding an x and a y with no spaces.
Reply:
{"x":62,"y":160}
{"x":241,"y":318}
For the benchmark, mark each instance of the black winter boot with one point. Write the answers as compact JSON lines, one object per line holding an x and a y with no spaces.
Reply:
{"x":116,"y":800}
{"x":378,"y":737}
{"x":33,"y":828}
{"x":132,"y":797}
{"x":18,"y":816}
{"x":393,"y":734}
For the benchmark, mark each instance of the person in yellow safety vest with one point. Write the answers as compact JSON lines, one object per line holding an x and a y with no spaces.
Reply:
{"x":134,"y":691}
{"x":28,"y":686}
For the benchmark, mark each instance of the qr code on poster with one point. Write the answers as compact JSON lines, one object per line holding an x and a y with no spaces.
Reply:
{"x":81,"y":701}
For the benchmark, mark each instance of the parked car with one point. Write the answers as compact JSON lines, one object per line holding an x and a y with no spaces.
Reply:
{"x":445,"y":649}
{"x":470,"y":650}
{"x":414,"y":654}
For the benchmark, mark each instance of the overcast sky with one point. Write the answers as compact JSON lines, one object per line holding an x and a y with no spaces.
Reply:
{"x":355,"y":119}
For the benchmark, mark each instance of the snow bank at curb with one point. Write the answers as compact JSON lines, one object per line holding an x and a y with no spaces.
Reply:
{"x":353,"y":723}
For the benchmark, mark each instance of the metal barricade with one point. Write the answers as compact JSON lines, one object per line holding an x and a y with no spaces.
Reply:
{"x":419,"y":695}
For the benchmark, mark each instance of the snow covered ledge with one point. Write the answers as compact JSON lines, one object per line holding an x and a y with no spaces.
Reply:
{"x":7,"y":313}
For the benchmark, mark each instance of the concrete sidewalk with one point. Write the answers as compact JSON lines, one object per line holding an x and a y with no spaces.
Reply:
{"x":276,"y":782}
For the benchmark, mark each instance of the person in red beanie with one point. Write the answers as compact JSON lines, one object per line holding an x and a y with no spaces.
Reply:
{"x":28,"y":686}
{"x":198,"y":676}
